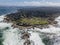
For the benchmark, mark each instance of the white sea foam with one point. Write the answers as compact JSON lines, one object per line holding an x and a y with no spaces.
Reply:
{"x":10,"y":36}
{"x":1,"y":18}
{"x":51,"y":29}
{"x":13,"y":37}
{"x":36,"y":39}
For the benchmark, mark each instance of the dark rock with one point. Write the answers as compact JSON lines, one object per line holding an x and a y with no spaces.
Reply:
{"x":25,"y":35}
{"x":27,"y":42}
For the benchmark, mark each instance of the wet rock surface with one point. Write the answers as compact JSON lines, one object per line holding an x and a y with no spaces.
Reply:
{"x":26,"y":36}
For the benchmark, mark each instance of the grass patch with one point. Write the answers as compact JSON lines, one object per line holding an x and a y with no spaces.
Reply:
{"x":33,"y":21}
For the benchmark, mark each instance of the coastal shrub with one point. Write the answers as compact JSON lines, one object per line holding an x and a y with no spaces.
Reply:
{"x":33,"y":21}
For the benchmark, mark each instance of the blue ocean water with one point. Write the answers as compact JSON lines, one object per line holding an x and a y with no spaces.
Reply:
{"x":7,"y":9}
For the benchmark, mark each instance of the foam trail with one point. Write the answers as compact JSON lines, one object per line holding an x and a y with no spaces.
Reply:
{"x":1,"y":18}
{"x":13,"y":36}
{"x":10,"y":35}
{"x":3,"y":24}
{"x":36,"y":39}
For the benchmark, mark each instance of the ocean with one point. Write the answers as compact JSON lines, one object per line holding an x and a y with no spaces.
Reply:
{"x":8,"y":9}
{"x":12,"y":36}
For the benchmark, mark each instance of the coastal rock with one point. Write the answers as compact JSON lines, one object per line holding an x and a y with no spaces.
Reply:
{"x":27,"y":42}
{"x":25,"y":35}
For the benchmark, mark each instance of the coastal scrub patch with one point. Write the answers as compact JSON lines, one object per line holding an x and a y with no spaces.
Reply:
{"x":33,"y":21}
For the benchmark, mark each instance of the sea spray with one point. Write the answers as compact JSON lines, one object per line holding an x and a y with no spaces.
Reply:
{"x":12,"y":36}
{"x":36,"y":39}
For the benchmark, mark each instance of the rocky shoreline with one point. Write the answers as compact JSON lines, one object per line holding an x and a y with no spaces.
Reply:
{"x":25,"y":18}
{"x":29,"y":27}
{"x":24,"y":34}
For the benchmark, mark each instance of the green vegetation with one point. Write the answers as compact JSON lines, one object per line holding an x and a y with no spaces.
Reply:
{"x":33,"y":21}
{"x":33,"y":16}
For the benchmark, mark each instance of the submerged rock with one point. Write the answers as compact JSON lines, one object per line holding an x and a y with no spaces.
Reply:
{"x":27,"y":42}
{"x":25,"y":35}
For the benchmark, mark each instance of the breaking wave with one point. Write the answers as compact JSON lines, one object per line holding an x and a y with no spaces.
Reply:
{"x":45,"y":36}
